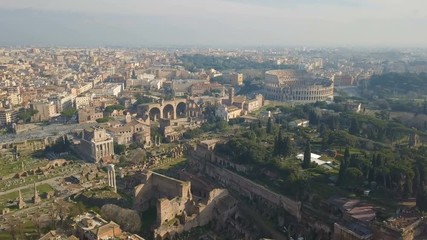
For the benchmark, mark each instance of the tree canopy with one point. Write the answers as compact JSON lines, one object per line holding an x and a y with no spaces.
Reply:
{"x":111,"y":108}
{"x":243,"y":151}
{"x":26,"y":114}
{"x":69,"y":112}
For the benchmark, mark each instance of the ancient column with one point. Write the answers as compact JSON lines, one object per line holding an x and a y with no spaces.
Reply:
{"x":112,"y":177}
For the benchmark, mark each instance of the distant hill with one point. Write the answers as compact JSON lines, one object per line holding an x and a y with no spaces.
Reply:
{"x":390,"y":85}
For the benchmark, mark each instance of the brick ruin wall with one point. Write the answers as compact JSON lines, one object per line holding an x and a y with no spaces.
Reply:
{"x":156,"y":186}
{"x":198,"y":215}
{"x":201,"y":158}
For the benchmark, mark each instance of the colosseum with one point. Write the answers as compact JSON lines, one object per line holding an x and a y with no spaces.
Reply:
{"x":297,"y":86}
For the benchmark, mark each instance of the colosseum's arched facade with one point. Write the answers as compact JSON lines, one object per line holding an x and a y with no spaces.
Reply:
{"x":297,"y":86}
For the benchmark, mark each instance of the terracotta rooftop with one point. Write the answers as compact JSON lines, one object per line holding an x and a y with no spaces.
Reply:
{"x":104,"y":228}
{"x":355,"y":208}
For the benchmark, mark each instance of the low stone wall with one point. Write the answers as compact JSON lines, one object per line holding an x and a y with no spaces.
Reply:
{"x":20,"y":128}
{"x":249,"y":188}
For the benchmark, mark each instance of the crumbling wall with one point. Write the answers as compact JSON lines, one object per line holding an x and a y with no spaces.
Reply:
{"x":168,"y":209}
{"x":143,"y":195}
{"x":201,"y":159}
{"x":156,"y":186}
{"x":412,"y":231}
{"x":248,"y":188}
{"x":206,"y":213}
{"x":170,"y":187}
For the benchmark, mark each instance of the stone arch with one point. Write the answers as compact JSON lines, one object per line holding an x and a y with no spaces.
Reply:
{"x":169,"y":111}
{"x":181,"y":109}
{"x":154,"y":113}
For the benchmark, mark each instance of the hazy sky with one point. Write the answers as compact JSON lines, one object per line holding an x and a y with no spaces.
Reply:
{"x":400,"y":23}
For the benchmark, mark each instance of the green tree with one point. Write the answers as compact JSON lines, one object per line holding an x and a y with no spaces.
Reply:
{"x":111,"y":108}
{"x":222,"y":125}
{"x":343,"y":167}
{"x":354,"y":127}
{"x":307,"y":156}
{"x":127,"y":218}
{"x":260,"y":133}
{"x":250,"y":135}
{"x":209,"y":113}
{"x":333,"y":123}
{"x":119,"y":148}
{"x":353,"y":176}
{"x":102,"y":120}
{"x":421,"y":199}
{"x":347,"y":155}
{"x":68,"y":112}
{"x":322,"y":129}
{"x":141,"y":99}
{"x":313,"y":118}
{"x":243,"y":151}
{"x":215,"y":92}
{"x":287,"y":146}
{"x":133,"y":75}
{"x":26,"y":114}
{"x":278,"y":143}
{"x":407,"y":191}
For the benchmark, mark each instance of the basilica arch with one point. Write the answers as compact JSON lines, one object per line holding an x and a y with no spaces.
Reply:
{"x":171,"y":109}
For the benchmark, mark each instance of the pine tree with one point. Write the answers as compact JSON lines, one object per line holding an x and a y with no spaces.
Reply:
{"x":307,"y":156}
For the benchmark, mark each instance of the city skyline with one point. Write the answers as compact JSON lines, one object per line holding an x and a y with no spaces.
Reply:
{"x":363,"y":23}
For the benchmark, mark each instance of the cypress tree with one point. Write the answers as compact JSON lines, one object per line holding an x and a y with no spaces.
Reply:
{"x":277,"y":142}
{"x":343,"y":167}
{"x":354,"y":127}
{"x":269,"y":126}
{"x":287,"y":146}
{"x":275,"y":147}
{"x":347,"y":155}
{"x":307,"y":156}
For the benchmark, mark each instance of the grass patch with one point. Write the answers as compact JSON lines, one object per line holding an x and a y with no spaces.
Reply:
{"x":170,"y":165}
{"x":9,"y":166}
{"x":27,"y":194}
{"x":28,"y":229}
{"x":326,"y":191}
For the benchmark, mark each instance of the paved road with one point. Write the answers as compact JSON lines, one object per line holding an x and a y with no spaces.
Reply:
{"x":50,"y":181}
{"x":43,"y":131}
